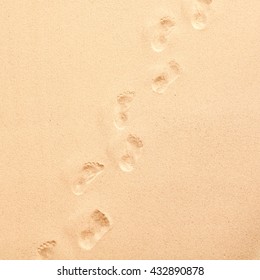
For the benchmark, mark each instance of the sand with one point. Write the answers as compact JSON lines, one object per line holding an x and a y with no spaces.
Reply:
{"x":192,"y":191}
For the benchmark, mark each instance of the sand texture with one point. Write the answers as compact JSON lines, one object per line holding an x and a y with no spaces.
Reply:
{"x":130,"y":129}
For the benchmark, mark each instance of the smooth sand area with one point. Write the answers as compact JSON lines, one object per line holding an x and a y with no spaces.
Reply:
{"x":190,"y":189}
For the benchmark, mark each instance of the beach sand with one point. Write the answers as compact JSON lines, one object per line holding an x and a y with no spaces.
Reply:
{"x":191,"y":189}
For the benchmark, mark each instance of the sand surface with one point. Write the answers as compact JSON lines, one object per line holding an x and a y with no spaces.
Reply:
{"x":194,"y":191}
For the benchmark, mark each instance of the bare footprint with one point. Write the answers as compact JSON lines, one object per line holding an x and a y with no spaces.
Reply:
{"x":124,"y":101}
{"x":46,"y":249}
{"x":127,"y":162}
{"x":201,"y":14}
{"x":165,"y":76}
{"x":99,"y":225}
{"x":124,"y":151}
{"x":198,"y":12}
{"x":87,"y":229}
{"x":86,"y":175}
{"x":134,"y":145}
{"x":120,"y":119}
{"x":161,"y":32}
{"x":199,"y":18}
{"x":161,"y":82}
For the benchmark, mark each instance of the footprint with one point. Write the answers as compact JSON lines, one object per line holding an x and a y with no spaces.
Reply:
{"x":124,"y":101}
{"x":161,"y":82}
{"x":46,"y":249}
{"x":99,"y":224}
{"x":134,"y":145}
{"x":198,"y":13}
{"x":124,"y":151}
{"x":120,"y":119}
{"x":87,"y":174}
{"x":199,"y":19}
{"x":159,"y":41}
{"x":88,"y":228}
{"x":161,"y":32}
{"x":165,"y":76}
{"x":127,"y":162}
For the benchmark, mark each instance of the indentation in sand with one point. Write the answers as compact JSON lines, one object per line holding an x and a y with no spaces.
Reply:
{"x":86,"y":175}
{"x":88,"y":228}
{"x":160,"y":32}
{"x":46,"y":249}
{"x":123,"y":104}
{"x":164,"y":76}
